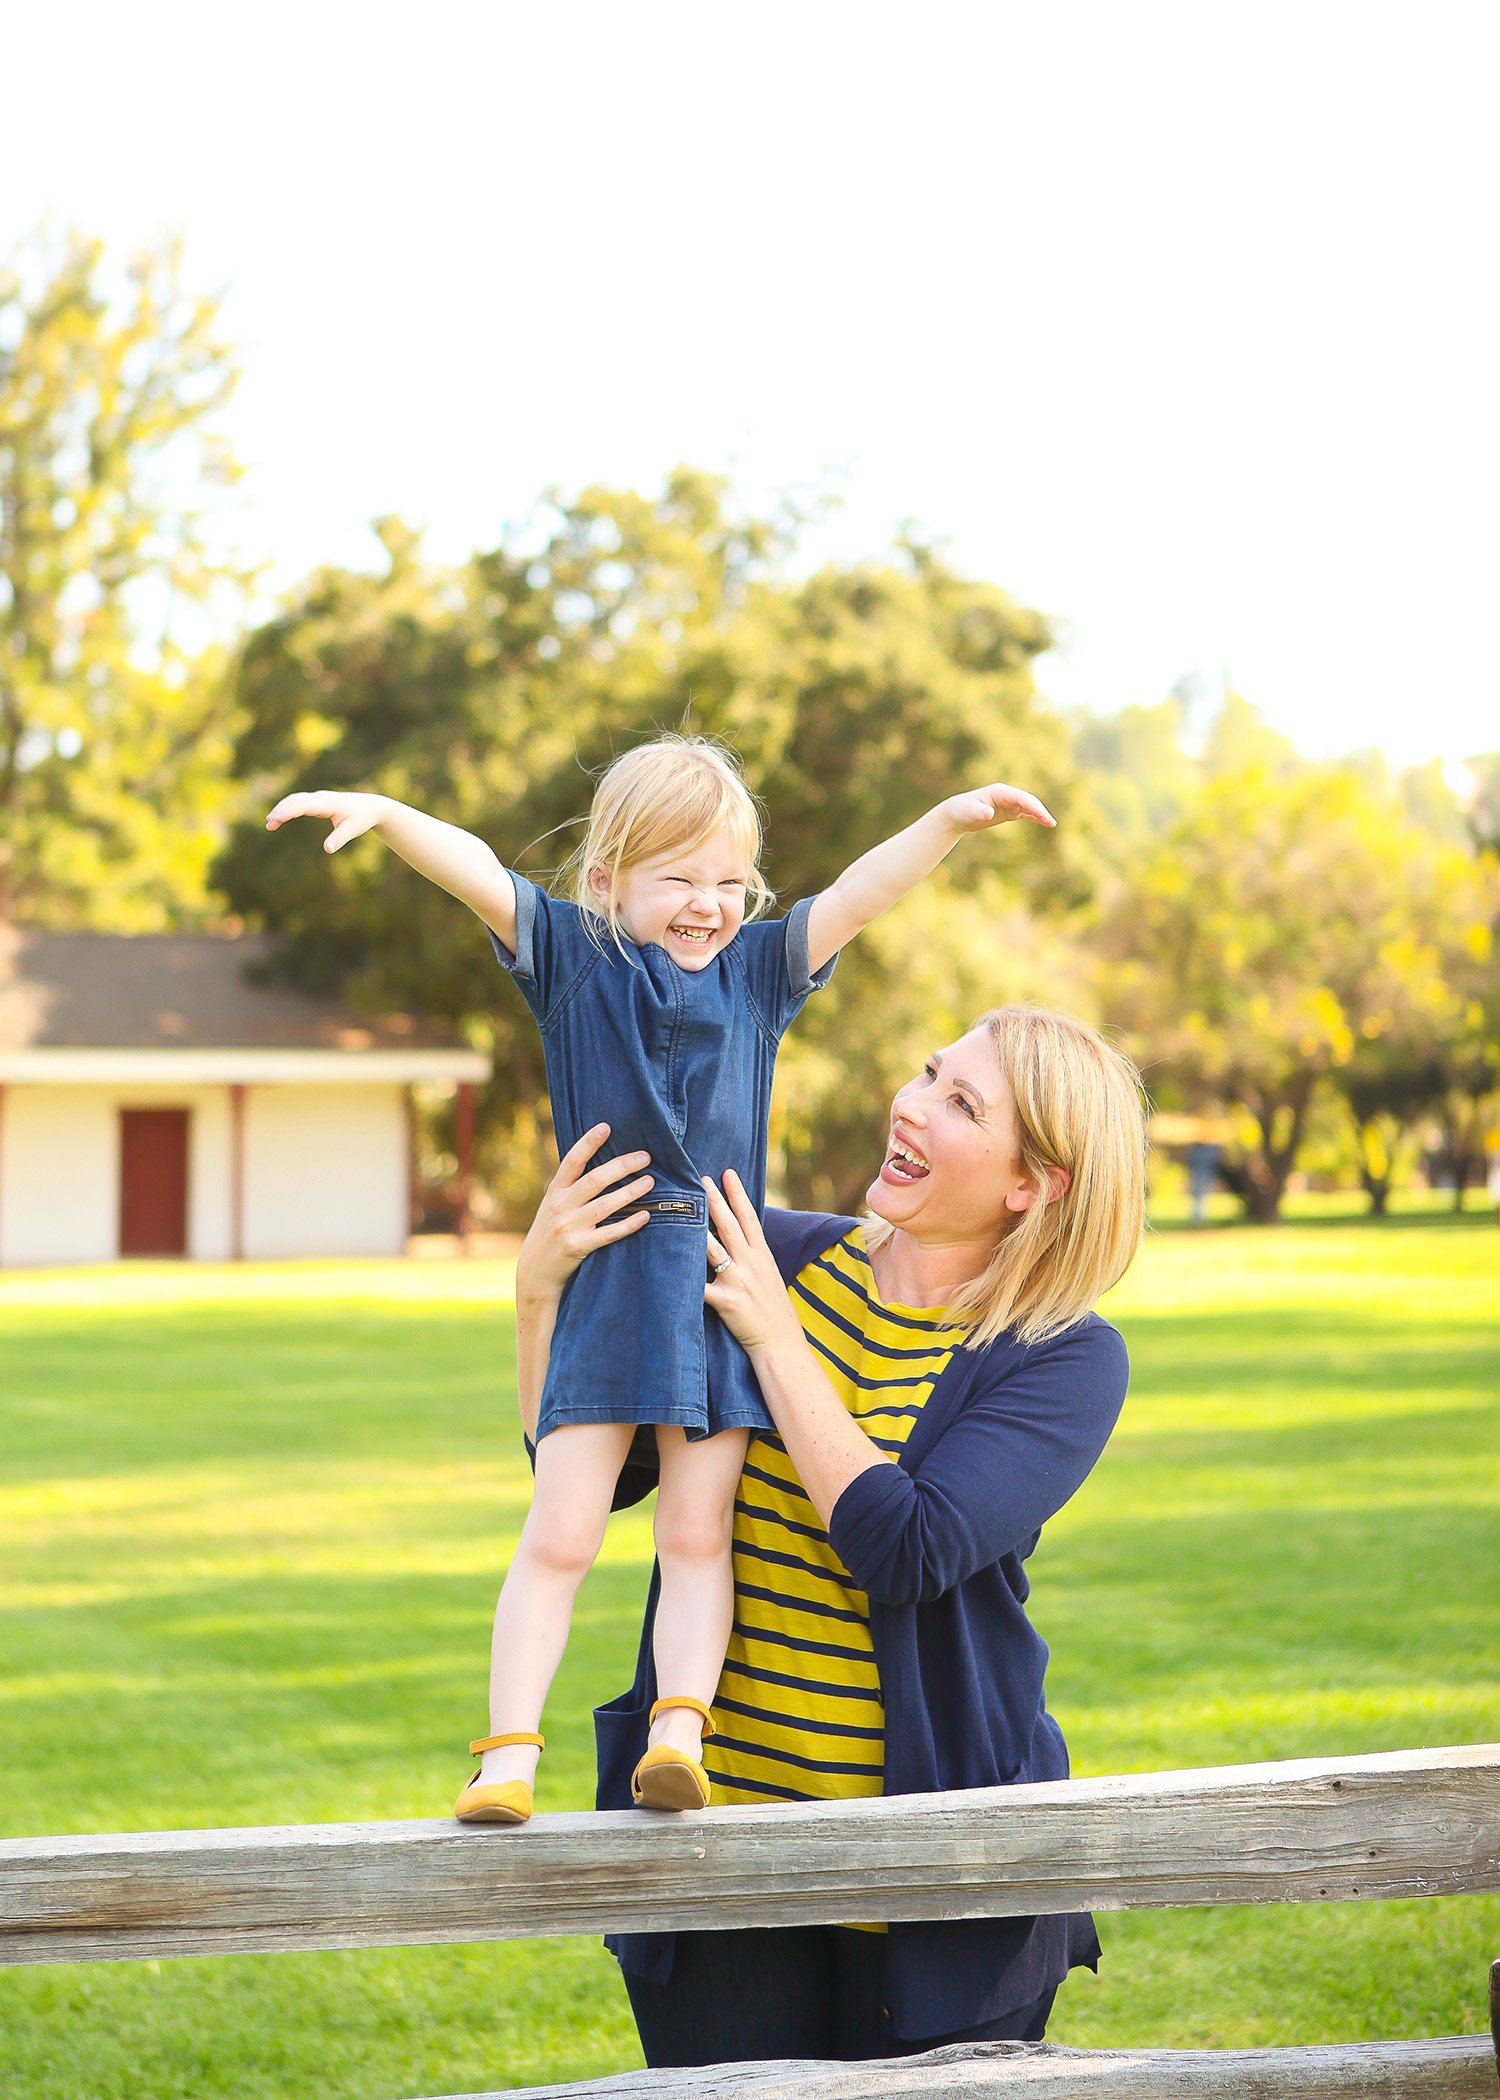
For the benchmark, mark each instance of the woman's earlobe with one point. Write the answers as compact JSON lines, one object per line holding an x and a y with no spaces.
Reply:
{"x":1024,"y":1195}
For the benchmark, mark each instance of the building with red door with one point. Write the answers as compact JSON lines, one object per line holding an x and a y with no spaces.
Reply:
{"x":155,"y":1099}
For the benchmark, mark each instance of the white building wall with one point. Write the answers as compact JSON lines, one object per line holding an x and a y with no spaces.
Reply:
{"x":325,"y":1170}
{"x":59,"y":1175}
{"x":60,"y":1170}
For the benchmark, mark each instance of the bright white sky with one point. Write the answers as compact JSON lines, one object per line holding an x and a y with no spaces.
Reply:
{"x":1178,"y":320}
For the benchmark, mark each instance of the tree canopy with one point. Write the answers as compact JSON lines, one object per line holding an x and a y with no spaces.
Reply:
{"x":490,"y":694}
{"x":114,"y":752}
{"x":1287,"y":930}
{"x":1273,"y":937}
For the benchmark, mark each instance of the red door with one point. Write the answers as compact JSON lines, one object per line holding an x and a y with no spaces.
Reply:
{"x":153,"y":1180}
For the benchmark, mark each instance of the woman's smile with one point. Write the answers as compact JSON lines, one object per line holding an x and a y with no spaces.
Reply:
{"x":903,"y":1163}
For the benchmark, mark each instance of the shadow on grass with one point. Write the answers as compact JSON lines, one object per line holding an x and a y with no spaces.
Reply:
{"x":1395,"y":1345}
{"x":286,"y":1699}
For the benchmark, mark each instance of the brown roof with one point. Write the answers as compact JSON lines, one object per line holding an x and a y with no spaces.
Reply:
{"x":115,"y":991}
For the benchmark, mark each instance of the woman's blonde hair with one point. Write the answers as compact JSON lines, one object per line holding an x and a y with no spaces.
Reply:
{"x":1080,"y":1106}
{"x":662,"y":798}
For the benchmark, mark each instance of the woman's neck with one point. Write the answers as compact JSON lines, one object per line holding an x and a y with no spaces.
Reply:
{"x":914,"y":1272}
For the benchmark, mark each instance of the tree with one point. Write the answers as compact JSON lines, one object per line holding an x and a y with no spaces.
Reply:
{"x":1469,"y":1054}
{"x":114,"y":722}
{"x":1143,"y":767}
{"x":1434,"y":1059}
{"x":1137,"y":767}
{"x":1279,"y":925}
{"x":490,"y":692}
{"x":1391,"y":1089}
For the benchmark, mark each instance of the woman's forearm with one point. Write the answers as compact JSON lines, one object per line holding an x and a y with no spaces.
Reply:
{"x":826,"y":1446}
{"x":455,"y":860}
{"x":536,"y":1317}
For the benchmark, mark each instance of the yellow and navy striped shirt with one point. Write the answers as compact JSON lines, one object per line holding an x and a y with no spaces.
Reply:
{"x":798,"y":1714}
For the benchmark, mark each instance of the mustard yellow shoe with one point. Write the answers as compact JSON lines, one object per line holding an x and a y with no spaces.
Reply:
{"x":667,"y":1777}
{"x":510,"y":1801}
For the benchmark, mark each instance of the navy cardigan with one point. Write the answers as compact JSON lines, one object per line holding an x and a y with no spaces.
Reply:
{"x":937,"y":1541}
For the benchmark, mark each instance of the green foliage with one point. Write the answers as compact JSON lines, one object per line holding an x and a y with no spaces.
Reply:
{"x":1146,"y":766}
{"x":489,"y":694}
{"x":114,"y":723}
{"x":1459,"y":803}
{"x":1240,"y":739}
{"x":1137,"y":768}
{"x":1279,"y":927}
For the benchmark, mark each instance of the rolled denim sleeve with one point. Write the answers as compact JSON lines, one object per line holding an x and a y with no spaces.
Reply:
{"x":777,"y":969}
{"x":552,"y":947}
{"x":1010,"y":1461}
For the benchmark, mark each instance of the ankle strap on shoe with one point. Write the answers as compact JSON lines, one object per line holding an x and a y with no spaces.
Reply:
{"x":503,"y":1742}
{"x":662,"y":1706}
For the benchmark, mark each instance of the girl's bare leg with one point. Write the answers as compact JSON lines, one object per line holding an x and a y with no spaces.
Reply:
{"x":694,"y":1531}
{"x":576,"y":1471}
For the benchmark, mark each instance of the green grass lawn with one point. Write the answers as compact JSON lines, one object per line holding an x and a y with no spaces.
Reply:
{"x":251,"y":1526}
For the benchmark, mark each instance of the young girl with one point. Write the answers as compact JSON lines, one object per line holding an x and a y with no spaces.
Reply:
{"x":661,"y":1000}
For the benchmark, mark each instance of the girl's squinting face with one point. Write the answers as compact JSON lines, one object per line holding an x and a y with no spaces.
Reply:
{"x":692,"y":904}
{"x":951,"y":1168}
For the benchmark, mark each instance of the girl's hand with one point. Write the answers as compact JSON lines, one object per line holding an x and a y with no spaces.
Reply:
{"x":995,"y":804}
{"x":577,"y":1214}
{"x":349,"y":814}
{"x":748,"y":1295}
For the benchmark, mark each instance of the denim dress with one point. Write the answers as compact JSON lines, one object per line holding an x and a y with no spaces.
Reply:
{"x":679,"y":1064}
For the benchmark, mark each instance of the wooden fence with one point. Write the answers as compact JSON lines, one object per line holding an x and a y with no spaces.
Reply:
{"x":1412,"y":1823}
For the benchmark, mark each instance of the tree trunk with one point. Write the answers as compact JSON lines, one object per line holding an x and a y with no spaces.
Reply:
{"x":1378,"y":1189}
{"x":1267,"y":1171}
{"x":1263,"y":1200}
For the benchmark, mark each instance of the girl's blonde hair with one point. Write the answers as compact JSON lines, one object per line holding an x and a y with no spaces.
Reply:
{"x":1080,"y":1106}
{"x":663,"y":798}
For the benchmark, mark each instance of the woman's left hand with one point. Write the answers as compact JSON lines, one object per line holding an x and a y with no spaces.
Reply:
{"x":747,"y":1293}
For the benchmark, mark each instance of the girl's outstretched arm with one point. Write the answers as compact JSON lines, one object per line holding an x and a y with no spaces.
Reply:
{"x":455,"y":860}
{"x":882,"y":877}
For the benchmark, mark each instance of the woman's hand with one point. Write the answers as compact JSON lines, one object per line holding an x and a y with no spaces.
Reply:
{"x":826,"y":1446}
{"x":577,"y":1214}
{"x":349,"y":812}
{"x":747,"y":1292}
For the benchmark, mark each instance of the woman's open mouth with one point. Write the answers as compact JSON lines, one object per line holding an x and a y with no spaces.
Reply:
{"x":902,"y":1165}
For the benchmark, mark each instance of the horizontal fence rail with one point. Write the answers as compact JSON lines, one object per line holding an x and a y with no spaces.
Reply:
{"x":1409,"y":1823}
{"x":1457,"y":2069}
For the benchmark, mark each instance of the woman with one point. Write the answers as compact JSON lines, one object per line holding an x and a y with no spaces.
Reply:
{"x":940,"y":1387}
